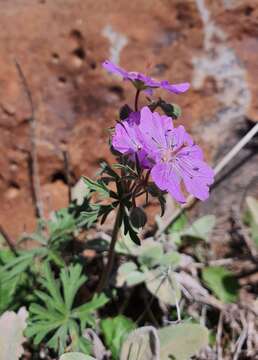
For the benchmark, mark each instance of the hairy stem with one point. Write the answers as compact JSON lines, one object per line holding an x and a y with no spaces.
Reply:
{"x":136,"y":99}
{"x":111,"y":254}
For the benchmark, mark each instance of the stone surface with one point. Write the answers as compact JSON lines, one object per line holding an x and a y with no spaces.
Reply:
{"x":60,"y":45}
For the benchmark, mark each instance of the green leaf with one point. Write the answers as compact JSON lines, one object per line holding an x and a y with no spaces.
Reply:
{"x":176,"y":229}
{"x":115,"y":331}
{"x":182,"y":341}
{"x":53,"y":319}
{"x":89,"y":217}
{"x":252,"y":213}
{"x":72,"y":279}
{"x":128,"y":274}
{"x":96,"y":302}
{"x":179,"y":224}
{"x":15,"y":278}
{"x":128,"y":228}
{"x":221,"y":282}
{"x":138,"y":218}
{"x":76,"y":356}
{"x":124,"y":112}
{"x":201,"y":228}
{"x":97,"y":186}
{"x":170,"y":259}
{"x":141,"y":344}
{"x":62,"y":224}
{"x":252,"y":205}
{"x":172,"y":110}
{"x":163,"y":285}
{"x":125,"y":245}
{"x":151,"y":253}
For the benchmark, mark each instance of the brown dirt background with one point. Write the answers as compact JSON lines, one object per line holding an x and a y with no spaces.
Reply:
{"x":60,"y":45}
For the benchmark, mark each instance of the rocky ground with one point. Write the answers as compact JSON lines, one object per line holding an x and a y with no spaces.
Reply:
{"x":60,"y":46}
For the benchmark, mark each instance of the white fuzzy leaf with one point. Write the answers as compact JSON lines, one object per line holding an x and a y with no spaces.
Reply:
{"x":12,"y":326}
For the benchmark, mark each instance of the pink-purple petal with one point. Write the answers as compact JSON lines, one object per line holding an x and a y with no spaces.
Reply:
{"x":144,"y":82}
{"x":174,"y":88}
{"x":167,"y":180}
{"x":114,"y":69}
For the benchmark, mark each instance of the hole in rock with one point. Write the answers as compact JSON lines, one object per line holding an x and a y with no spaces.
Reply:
{"x":248,"y":10}
{"x":14,"y":185}
{"x":118,"y":90}
{"x":76,"y":34}
{"x":62,"y":79}
{"x":80,"y":53}
{"x":55,"y":57}
{"x":58,"y":175}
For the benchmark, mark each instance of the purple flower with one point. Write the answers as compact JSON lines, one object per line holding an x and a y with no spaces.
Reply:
{"x":127,"y":139}
{"x":175,"y":161}
{"x":143,"y":82}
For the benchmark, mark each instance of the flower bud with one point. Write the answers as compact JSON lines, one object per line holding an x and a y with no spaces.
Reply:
{"x":138,"y":217}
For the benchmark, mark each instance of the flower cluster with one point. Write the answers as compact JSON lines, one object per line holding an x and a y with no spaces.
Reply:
{"x":169,"y":152}
{"x":143,"y":82}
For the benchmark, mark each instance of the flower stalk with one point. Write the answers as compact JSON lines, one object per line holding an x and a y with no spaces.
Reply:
{"x":136,"y":99}
{"x":111,"y":253}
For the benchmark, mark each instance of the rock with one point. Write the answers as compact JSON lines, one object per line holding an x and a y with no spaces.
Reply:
{"x":60,"y":46}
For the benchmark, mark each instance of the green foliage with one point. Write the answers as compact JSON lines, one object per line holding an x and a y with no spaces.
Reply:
{"x":182,"y":341}
{"x":179,"y":342}
{"x":76,"y":356}
{"x":114,"y":331}
{"x":97,"y":186}
{"x":251,"y":217}
{"x":16,"y":278}
{"x":221,"y":282}
{"x":94,"y":211}
{"x":199,"y":229}
{"x":163,"y":285}
{"x":154,"y":267}
{"x":56,"y":320}
{"x":172,"y":110}
{"x":129,"y":274}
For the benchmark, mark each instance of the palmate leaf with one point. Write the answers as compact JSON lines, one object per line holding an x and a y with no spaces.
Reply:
{"x":107,"y":169}
{"x":89,"y":217}
{"x":55,"y":320}
{"x":62,"y":225}
{"x":14,"y":278}
{"x":97,"y":186}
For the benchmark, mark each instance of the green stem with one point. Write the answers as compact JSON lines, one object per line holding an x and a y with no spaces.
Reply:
{"x":111,"y":254}
{"x":136,"y":99}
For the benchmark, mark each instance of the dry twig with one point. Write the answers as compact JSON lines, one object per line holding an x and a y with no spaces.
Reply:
{"x":33,"y":152}
{"x":67,"y":173}
{"x":8,"y":240}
